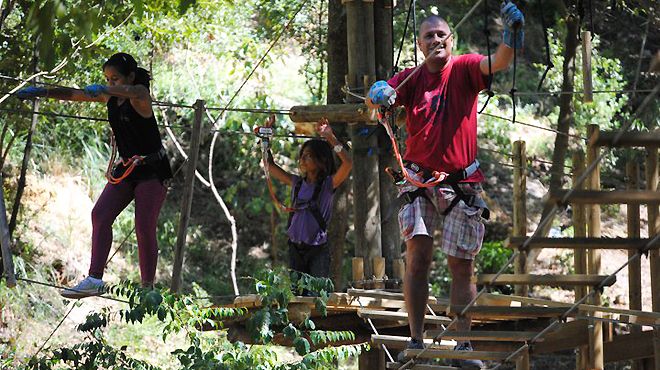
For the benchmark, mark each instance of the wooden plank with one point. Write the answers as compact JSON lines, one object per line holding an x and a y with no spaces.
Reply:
{"x":553,"y":280}
{"x":628,"y":139}
{"x":399,"y":342}
{"x":397,"y":365}
{"x":461,"y":355}
{"x":520,"y":208}
{"x":381,"y":294}
{"x":607,"y":196}
{"x":480,"y":335}
{"x":633,"y":316}
{"x":582,"y":243}
{"x":629,"y":347}
{"x":507,"y":312}
{"x":333,"y":112}
{"x":399,"y":316}
{"x":186,"y":199}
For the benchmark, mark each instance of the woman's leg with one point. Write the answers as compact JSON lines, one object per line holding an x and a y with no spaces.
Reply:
{"x":149,"y":197}
{"x":112,"y":201}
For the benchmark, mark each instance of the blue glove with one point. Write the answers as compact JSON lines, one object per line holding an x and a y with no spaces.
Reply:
{"x":95,"y":90}
{"x":514,"y":21}
{"x":31,"y":92}
{"x":382,"y":93}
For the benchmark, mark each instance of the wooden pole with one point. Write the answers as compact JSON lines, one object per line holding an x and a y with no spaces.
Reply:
{"x":366,"y":186}
{"x":634,"y":268}
{"x":588,"y":96}
{"x":390,"y":235}
{"x":652,"y":178}
{"x":596,"y":355}
{"x":520,"y":208}
{"x":357,"y":265}
{"x":354,"y":112}
{"x":580,"y":256}
{"x":186,"y":199}
{"x":5,"y":241}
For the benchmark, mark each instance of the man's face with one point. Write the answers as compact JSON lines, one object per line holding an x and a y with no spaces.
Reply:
{"x":432,"y":35}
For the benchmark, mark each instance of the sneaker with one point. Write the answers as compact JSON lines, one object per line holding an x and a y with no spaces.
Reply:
{"x":412,"y":344}
{"x":470,"y":364}
{"x":86,"y":288}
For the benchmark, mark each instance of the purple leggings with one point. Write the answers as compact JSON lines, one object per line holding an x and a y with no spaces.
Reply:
{"x":149,"y":196}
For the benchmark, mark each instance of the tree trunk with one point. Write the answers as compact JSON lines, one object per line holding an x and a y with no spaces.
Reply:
{"x":565,"y":120}
{"x":337,"y":69}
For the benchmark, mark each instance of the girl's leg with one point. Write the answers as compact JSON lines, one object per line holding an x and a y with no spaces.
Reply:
{"x":112,"y":201}
{"x":149,"y":197}
{"x":319,"y":261}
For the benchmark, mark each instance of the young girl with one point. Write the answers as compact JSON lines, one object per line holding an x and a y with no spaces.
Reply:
{"x":140,"y":175}
{"x":311,"y":196}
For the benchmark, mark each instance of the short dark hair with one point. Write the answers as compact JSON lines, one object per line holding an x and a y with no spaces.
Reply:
{"x":125,"y":64}
{"x":433,"y":18}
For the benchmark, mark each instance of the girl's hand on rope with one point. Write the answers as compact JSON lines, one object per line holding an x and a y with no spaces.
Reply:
{"x":31,"y":92}
{"x":513,"y":20}
{"x":95,"y":90}
{"x":324,"y":130}
{"x":381,"y":93}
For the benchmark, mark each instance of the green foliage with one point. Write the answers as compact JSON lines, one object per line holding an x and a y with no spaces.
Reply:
{"x":185,"y":313}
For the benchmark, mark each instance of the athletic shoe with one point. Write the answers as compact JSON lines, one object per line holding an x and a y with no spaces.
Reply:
{"x":470,"y":364}
{"x":88,"y":287}
{"x":412,"y":344}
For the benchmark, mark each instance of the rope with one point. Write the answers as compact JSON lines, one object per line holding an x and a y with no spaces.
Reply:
{"x":373,"y":327}
{"x":73,"y":305}
{"x":403,"y":38}
{"x":489,"y":91}
{"x":60,"y":287}
{"x":535,"y":126}
{"x":548,"y":60}
{"x":413,"y":5}
{"x":513,"y":83}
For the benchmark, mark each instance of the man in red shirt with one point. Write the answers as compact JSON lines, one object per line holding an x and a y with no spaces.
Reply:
{"x":441,"y":120}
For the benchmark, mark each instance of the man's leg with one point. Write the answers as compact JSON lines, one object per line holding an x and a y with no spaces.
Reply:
{"x":462,"y":288}
{"x":419,"y":254}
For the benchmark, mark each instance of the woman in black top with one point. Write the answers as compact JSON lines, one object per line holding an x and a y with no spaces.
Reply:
{"x":139,"y":174}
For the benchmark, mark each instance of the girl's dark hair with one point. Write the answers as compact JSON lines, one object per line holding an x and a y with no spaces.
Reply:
{"x":125,"y":64}
{"x":323,"y":155}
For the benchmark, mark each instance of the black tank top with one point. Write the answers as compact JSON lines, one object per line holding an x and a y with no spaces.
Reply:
{"x":136,"y":135}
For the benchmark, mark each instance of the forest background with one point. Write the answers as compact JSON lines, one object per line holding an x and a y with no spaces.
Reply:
{"x":205,"y":50}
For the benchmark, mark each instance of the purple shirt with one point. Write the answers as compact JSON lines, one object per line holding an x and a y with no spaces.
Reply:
{"x":304,"y":228}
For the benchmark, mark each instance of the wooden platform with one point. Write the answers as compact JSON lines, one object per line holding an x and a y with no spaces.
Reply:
{"x":480,"y":335}
{"x":459,"y":355}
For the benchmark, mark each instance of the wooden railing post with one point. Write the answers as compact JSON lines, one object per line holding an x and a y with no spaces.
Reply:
{"x":186,"y":199}
{"x":652,"y":178}
{"x":587,"y":84}
{"x":596,"y":355}
{"x":520,"y":207}
{"x":634,"y":268}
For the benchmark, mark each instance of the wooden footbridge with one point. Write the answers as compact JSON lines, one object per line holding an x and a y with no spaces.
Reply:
{"x":515,"y":328}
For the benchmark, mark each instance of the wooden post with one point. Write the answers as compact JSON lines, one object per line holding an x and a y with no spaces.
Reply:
{"x":390,"y":234}
{"x":634,"y":268}
{"x":379,"y":272}
{"x":5,"y":241}
{"x":358,"y":272}
{"x":522,"y":362}
{"x":520,"y":208}
{"x":186,"y":199}
{"x":652,"y":178}
{"x":596,"y":355}
{"x":580,"y":256}
{"x":588,"y":96}
{"x":398,"y":269}
{"x":366,"y":186}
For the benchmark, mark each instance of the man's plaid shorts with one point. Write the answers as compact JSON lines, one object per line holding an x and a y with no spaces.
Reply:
{"x":462,"y":230}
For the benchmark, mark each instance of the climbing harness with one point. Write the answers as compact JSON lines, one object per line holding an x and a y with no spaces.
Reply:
{"x":312,"y":205}
{"x":128,"y":165}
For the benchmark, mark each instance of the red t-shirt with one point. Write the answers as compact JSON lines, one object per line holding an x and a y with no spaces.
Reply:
{"x":441,"y":114}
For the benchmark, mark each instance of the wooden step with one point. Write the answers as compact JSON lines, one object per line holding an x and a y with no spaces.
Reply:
{"x":504,"y":313}
{"x":607,"y":196}
{"x":580,"y":243}
{"x":397,"y":365}
{"x":399,"y":343}
{"x":380,"y":294}
{"x":399,"y":316}
{"x":627,"y":139}
{"x":551,"y":280}
{"x":480,"y":335}
{"x":461,"y":355}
